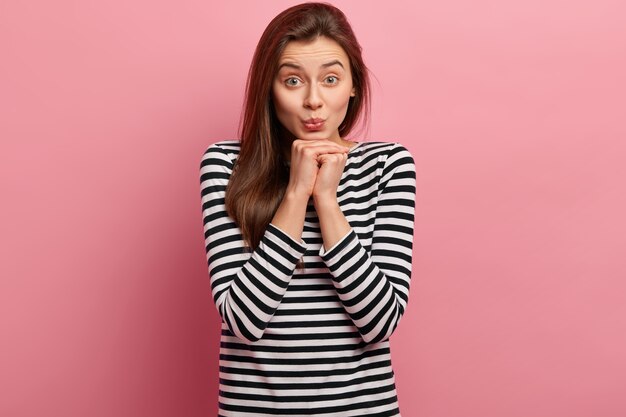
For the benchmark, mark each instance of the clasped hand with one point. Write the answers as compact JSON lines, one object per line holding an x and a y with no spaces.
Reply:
{"x":316,"y":168}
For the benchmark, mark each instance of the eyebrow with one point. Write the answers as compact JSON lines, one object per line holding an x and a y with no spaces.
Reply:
{"x":326,"y":65}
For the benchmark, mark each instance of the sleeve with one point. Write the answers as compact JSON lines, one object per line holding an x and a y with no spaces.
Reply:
{"x":374,"y":287}
{"x":247,"y":287}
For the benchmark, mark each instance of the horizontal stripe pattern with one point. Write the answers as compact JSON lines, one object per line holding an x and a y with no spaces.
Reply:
{"x":313,"y":341}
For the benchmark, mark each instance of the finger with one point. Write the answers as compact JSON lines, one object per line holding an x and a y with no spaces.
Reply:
{"x":298,"y":143}
{"x":321,"y":149}
{"x":316,"y":141}
{"x":335,"y":158}
{"x":331,"y":156}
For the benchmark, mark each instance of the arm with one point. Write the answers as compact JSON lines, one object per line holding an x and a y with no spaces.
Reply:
{"x":374,"y":287}
{"x":247,"y":289}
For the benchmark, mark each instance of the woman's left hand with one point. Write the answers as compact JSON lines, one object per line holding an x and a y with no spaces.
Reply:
{"x":328,"y":176}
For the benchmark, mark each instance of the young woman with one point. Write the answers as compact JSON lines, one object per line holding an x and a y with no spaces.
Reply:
{"x":308,"y":235}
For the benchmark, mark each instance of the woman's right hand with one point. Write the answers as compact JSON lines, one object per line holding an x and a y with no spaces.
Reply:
{"x":305,"y":165}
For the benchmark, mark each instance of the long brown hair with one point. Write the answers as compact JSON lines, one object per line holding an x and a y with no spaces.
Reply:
{"x":260,"y":174}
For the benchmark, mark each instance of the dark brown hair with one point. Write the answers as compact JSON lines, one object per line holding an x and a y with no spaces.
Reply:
{"x":260,"y":174}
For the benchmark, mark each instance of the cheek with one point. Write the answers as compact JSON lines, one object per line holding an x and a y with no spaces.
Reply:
{"x":283,"y":100}
{"x":285,"y":103}
{"x":340,"y":105}
{"x":341,"y":99}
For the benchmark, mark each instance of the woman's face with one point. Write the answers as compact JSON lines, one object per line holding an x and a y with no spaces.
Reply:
{"x":313,"y":82}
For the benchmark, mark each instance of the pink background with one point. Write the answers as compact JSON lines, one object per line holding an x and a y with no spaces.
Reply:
{"x":515,"y":113}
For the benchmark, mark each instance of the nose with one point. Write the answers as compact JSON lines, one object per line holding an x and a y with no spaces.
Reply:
{"x":313,"y":100}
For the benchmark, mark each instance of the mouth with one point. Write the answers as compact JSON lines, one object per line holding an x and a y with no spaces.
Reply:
{"x":313,"y":124}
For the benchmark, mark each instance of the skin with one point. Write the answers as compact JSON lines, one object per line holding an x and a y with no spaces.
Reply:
{"x":317,"y":158}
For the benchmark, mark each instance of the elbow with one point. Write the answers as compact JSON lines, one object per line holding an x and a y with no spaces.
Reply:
{"x":382,"y":331}
{"x":248,"y":334}
{"x":248,"y":338}
{"x":245,"y":335}
{"x":242,"y":323}
{"x":373,"y":338}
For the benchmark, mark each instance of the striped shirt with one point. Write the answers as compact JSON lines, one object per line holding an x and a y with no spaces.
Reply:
{"x":313,"y":341}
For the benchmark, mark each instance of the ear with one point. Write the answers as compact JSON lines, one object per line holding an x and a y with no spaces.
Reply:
{"x":353,"y":93}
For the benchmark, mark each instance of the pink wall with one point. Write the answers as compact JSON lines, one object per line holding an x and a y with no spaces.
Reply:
{"x":514,"y":111}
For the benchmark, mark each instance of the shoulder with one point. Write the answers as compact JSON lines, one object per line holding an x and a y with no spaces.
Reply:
{"x":387,"y":153}
{"x":223,"y":152}
{"x":229,"y":146}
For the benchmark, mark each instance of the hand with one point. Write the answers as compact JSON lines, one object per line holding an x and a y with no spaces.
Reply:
{"x":307,"y":159}
{"x":328,"y":176}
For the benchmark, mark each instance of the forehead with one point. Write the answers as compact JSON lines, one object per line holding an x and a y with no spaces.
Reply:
{"x":313,"y":52}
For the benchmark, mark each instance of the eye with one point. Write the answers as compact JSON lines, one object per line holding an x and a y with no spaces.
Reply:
{"x":289,"y":82}
{"x":333,"y":79}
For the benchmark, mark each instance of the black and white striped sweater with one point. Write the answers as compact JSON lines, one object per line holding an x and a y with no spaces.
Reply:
{"x":313,"y":341}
